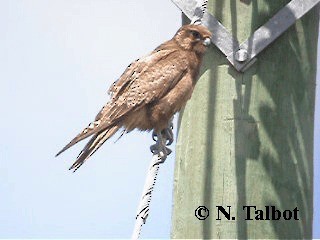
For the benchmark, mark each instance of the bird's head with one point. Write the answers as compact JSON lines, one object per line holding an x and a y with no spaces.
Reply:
{"x":193,"y":37}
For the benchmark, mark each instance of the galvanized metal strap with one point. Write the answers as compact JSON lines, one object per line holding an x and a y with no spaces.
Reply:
{"x":242,"y":55}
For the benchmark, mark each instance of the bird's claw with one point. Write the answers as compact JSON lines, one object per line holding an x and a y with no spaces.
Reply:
{"x":163,"y":139}
{"x":161,"y":150}
{"x":168,"y":135}
{"x":154,"y":136}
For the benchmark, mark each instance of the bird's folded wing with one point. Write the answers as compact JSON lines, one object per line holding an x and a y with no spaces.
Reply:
{"x":145,"y":80}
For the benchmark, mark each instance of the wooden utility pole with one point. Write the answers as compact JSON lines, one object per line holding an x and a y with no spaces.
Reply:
{"x":246,"y":139}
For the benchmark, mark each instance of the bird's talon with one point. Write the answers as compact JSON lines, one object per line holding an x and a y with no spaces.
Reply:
{"x":160,"y":149}
{"x":169,"y":141}
{"x":168,"y":135}
{"x":154,"y":148}
{"x":154,"y":136}
{"x":168,"y":150}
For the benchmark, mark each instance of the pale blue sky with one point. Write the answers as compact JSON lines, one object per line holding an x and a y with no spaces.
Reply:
{"x":57,"y":59}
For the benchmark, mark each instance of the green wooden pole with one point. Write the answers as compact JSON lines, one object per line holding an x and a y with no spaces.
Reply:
{"x":247,"y":138}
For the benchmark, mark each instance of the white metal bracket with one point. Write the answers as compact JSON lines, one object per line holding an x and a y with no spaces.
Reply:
{"x":242,"y":56}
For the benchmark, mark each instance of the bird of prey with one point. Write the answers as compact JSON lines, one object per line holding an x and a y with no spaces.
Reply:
{"x":149,"y":92}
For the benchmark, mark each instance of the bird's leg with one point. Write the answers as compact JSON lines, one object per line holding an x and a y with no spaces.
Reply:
{"x":163,"y":139}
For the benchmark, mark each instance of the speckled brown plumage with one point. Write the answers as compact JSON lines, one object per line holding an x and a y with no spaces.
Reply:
{"x":150,"y":91}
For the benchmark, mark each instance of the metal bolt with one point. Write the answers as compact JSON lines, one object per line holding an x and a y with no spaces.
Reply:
{"x":241,"y":55}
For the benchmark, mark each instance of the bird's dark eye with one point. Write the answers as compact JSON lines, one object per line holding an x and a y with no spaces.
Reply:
{"x":196,"y":34}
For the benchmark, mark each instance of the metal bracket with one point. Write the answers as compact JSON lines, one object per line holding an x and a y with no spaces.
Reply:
{"x":242,"y":56}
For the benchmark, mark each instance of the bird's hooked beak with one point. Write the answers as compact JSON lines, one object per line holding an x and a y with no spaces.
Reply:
{"x":206,"y":41}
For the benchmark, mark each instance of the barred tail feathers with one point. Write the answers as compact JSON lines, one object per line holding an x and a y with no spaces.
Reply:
{"x":93,"y":145}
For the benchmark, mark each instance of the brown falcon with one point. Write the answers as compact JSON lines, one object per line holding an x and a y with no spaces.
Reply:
{"x":150,"y":91}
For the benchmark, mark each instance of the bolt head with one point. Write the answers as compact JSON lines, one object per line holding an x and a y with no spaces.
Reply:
{"x":241,"y":55}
